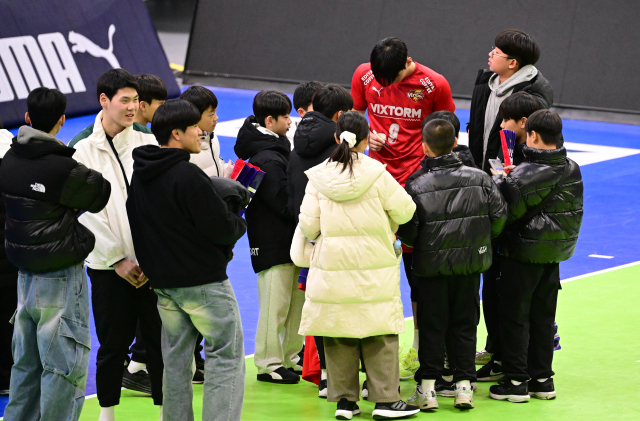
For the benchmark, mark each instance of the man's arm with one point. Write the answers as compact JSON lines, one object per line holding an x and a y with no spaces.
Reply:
{"x":443,"y":100}
{"x":85,"y":190}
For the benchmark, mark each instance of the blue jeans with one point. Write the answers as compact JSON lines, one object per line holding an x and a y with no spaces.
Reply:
{"x":211,"y":310}
{"x":51,"y":344}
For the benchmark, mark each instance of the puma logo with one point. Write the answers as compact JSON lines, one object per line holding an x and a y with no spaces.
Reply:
{"x":378,"y":91}
{"x":82,"y":44}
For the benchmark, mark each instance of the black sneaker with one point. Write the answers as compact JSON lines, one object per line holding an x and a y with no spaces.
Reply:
{"x":280,"y":375}
{"x":394,"y":410}
{"x":445,"y":388}
{"x":322,"y":389}
{"x":346,"y":410}
{"x":542,"y":390}
{"x":506,"y":390}
{"x":4,"y":392}
{"x":365,"y":391}
{"x":490,"y":372}
{"x":138,"y":381}
{"x":198,"y":377}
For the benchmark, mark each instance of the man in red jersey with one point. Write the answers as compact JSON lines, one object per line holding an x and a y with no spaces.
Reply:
{"x":399,"y":93}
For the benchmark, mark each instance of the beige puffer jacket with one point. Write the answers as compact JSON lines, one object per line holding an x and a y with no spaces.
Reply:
{"x":353,"y":286}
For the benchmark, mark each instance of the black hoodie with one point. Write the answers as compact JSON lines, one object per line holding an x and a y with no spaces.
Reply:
{"x":270,"y":224}
{"x":182,"y":231}
{"x":314,"y":142}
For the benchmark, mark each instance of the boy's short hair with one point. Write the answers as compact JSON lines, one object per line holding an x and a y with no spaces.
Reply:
{"x":547,"y":124}
{"x":45,"y":107}
{"x":111,"y":81}
{"x":151,"y":87}
{"x":519,"y":46}
{"x":173,"y":114}
{"x":331,"y":99}
{"x":303,"y":95}
{"x":201,"y":97}
{"x":270,"y":103}
{"x":388,"y":59}
{"x":444,"y":115}
{"x":519,"y":105}
{"x":439,"y":135}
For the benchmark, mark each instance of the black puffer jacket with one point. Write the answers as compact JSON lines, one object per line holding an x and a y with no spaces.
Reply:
{"x":459,"y":210}
{"x":270,"y":224}
{"x":314,"y":142}
{"x":43,"y":189}
{"x":8,"y":272}
{"x":464,"y":153}
{"x":550,"y":236}
{"x":538,"y":87}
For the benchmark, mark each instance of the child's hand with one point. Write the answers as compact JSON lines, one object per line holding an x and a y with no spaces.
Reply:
{"x":228,"y":170}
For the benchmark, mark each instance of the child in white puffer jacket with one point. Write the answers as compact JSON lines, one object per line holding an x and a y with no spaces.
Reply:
{"x":352,"y":208}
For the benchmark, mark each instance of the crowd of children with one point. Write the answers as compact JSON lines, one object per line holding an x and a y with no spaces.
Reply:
{"x":154,"y":217}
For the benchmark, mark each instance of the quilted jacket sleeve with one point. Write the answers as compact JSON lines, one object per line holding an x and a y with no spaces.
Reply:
{"x":498,"y":210}
{"x":395,"y":200}
{"x":85,"y":189}
{"x":310,"y":213}
{"x":513,"y":196}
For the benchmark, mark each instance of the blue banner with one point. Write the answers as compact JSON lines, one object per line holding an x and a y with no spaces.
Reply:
{"x":68,"y":44}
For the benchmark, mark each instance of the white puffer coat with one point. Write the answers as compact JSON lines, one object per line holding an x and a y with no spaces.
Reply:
{"x":353,"y":286}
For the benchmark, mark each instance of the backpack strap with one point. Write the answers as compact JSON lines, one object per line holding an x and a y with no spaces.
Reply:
{"x":531,"y":213}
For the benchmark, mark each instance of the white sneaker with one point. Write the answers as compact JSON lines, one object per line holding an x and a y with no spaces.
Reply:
{"x":424,"y":400}
{"x":483,"y":357}
{"x":463,"y":396}
{"x":365,"y":391}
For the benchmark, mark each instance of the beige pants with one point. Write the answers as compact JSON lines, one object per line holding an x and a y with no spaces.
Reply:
{"x":280,"y":301}
{"x":380,"y":355}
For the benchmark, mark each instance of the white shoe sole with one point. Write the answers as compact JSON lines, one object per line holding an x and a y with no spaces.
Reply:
{"x":446,"y":393}
{"x":543,"y":395}
{"x":428,"y":405}
{"x":463,"y":404}
{"x":407,"y":377}
{"x":343,"y":414}
{"x":322,"y":393}
{"x":510,"y":398}
{"x":385,"y":414}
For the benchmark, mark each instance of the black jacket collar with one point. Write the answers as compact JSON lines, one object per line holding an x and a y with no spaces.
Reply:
{"x":38,"y":149}
{"x":449,"y":160}
{"x":545,"y":156}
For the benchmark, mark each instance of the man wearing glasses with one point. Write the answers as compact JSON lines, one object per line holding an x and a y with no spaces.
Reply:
{"x":511,"y":69}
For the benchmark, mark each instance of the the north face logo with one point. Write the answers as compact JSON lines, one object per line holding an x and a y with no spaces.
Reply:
{"x":254,"y":251}
{"x":482,"y":250}
{"x":38,"y":187}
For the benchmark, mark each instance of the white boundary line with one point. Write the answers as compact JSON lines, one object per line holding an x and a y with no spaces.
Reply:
{"x":575,"y":278}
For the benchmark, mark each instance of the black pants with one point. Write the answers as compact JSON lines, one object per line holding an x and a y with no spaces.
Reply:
{"x":139,"y":353}
{"x":491,"y":307}
{"x":8,"y":305}
{"x":117,"y":307}
{"x":407,"y":259}
{"x":448,"y":311}
{"x":528,"y":300}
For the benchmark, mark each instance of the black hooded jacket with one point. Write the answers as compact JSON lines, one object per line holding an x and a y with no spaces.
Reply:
{"x":8,"y":272}
{"x":539,"y":87}
{"x":182,"y":231}
{"x":550,"y":236}
{"x":459,"y":210}
{"x":313,"y":142}
{"x":270,"y":224}
{"x":43,"y":189}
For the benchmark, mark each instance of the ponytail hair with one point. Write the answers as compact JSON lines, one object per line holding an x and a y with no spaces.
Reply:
{"x":354,"y":122}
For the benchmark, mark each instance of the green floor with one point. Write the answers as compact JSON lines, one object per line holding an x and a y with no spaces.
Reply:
{"x":597,"y":369}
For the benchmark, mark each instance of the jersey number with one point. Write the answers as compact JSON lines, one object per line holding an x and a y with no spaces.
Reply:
{"x":394,"y":129}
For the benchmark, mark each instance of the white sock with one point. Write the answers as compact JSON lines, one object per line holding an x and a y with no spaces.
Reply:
{"x":516,"y":383}
{"x":107,"y":413}
{"x":463,"y":384}
{"x":543,"y":380}
{"x":416,"y":339}
{"x":160,"y":412}
{"x":323,"y":374}
{"x":134,"y":367}
{"x":427,"y":385}
{"x":448,"y":378}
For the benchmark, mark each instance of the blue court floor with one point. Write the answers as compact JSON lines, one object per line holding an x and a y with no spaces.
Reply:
{"x":607,"y":153}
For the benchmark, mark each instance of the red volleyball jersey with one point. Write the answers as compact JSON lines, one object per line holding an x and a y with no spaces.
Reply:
{"x":398,"y":110}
